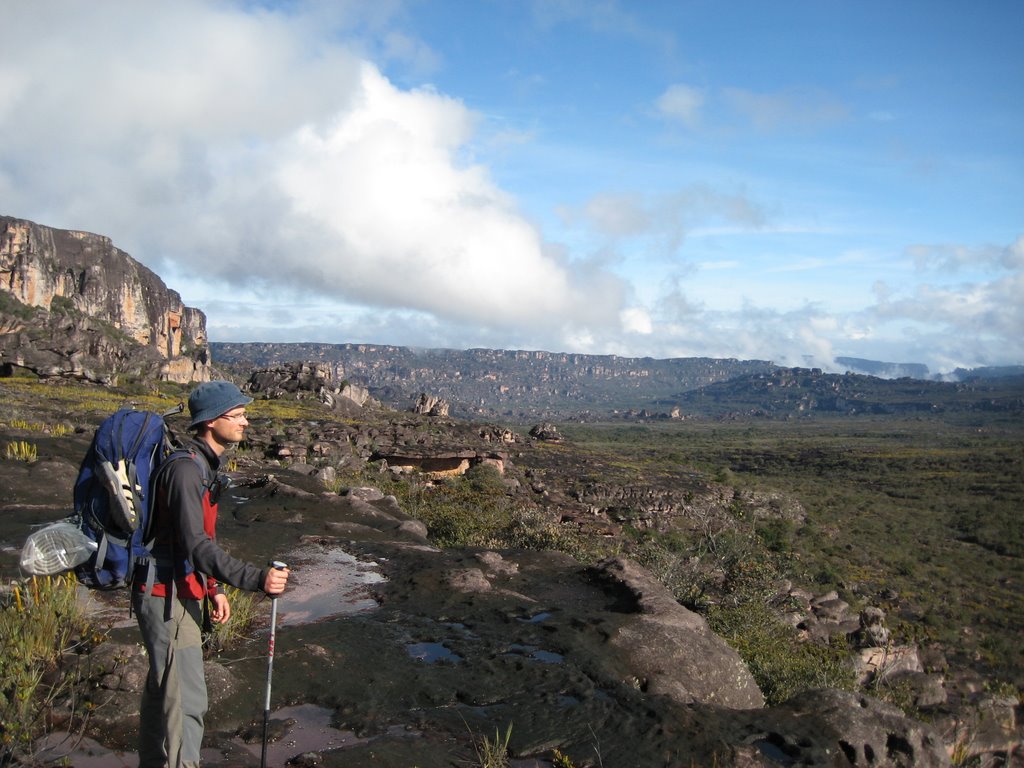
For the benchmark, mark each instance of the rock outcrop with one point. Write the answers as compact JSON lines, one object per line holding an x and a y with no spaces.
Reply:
{"x":300,"y":381}
{"x":672,"y":650}
{"x":73,"y":305}
{"x":431,"y":405}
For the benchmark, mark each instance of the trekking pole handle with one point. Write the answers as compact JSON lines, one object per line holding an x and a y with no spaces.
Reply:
{"x":174,"y":411}
{"x":277,"y":564}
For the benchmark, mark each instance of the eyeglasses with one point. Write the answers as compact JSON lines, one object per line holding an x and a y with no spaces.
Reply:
{"x":235,"y":416}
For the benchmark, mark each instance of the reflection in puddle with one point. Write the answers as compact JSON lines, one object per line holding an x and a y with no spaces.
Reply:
{"x":547,"y":657}
{"x":432,"y":653}
{"x":60,"y":746}
{"x":534,"y":653}
{"x":332,"y":585}
{"x":312,"y":732}
{"x":537,"y":618}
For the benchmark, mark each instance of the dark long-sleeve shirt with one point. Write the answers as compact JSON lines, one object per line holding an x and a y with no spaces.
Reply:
{"x":185,"y":529}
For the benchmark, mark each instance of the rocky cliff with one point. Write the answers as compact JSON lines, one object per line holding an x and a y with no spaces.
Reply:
{"x":496,"y":382}
{"x":552,"y":386}
{"x":72,"y":304}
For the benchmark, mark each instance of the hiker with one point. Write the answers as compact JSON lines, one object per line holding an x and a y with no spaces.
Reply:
{"x":180,"y":587}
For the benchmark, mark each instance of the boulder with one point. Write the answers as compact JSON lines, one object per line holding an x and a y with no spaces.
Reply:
{"x":872,"y":632}
{"x":671,"y":650}
{"x":546,"y":432}
{"x":879,"y":664}
{"x":832,"y":727}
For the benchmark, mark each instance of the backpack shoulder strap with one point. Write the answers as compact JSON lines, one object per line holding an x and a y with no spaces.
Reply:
{"x":149,"y":535}
{"x":178,"y":454}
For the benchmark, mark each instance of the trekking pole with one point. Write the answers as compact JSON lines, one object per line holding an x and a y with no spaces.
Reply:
{"x":270,"y":668}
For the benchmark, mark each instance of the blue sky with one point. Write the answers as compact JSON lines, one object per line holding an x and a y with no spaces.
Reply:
{"x":792,"y":181}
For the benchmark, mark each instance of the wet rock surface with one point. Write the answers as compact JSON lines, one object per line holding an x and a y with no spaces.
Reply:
{"x":393,"y":651}
{"x":600,"y":663}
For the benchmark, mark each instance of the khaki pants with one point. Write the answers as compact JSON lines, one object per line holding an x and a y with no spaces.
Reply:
{"x":174,"y":698}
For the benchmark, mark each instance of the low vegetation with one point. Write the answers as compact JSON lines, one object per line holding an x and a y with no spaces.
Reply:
{"x":919,"y":516}
{"x":21,"y":451}
{"x":493,"y":753}
{"x":244,"y":616}
{"x":41,"y":625}
{"x":476,"y":510}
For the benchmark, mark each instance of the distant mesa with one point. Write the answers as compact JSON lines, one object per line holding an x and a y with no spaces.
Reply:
{"x":884,"y":370}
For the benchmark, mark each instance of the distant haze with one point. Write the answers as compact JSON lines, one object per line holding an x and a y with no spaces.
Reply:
{"x":794,"y":182}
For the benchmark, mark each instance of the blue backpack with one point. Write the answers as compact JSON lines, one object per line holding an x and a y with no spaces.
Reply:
{"x":114,"y":494}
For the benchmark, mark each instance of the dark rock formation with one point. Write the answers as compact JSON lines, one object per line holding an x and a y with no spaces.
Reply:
{"x":73,"y":305}
{"x":598,"y":660}
{"x":430,"y":405}
{"x":547,"y":432}
{"x":300,"y":381}
{"x":830,"y":727}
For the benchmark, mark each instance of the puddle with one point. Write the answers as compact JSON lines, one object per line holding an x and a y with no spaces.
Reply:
{"x":537,"y":618}
{"x":535,"y":654}
{"x":333,"y":584}
{"x":312,"y":732}
{"x":82,"y":752}
{"x":432,"y":653}
{"x":772,"y":751}
{"x":547,"y":657}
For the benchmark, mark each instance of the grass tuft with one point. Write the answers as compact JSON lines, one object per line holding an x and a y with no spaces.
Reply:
{"x":493,"y":753}
{"x":22,"y":451}
{"x":244,"y":614}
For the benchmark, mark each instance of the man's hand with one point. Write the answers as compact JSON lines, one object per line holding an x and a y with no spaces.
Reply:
{"x":276,"y":580}
{"x":221,"y":609}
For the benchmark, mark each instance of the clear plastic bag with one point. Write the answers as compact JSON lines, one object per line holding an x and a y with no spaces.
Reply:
{"x":55,"y":548}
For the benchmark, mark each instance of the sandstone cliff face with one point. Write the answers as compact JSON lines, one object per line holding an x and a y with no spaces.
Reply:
{"x":83,"y":286}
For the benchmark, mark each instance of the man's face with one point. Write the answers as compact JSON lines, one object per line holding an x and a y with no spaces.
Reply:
{"x":230,"y":427}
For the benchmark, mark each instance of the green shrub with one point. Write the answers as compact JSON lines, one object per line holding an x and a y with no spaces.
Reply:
{"x":40,"y":623}
{"x":11,"y":306}
{"x":777,"y":535}
{"x":781,"y":664}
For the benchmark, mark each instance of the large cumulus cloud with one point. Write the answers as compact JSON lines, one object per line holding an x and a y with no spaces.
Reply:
{"x":252,"y":147}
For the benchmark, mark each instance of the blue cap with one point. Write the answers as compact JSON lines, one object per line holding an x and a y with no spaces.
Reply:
{"x":212,"y":399}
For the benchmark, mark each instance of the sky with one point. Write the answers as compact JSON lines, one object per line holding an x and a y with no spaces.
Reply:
{"x":790,"y":181}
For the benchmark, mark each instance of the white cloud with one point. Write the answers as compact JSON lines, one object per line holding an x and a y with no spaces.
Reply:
{"x":636,"y":320}
{"x":795,"y":107}
{"x":253,"y":147}
{"x":954,"y":257}
{"x":683,"y":103}
{"x":670,"y":217}
{"x":977,"y":309}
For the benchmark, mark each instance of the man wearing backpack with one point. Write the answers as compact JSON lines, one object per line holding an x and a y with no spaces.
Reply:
{"x":171,"y":594}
